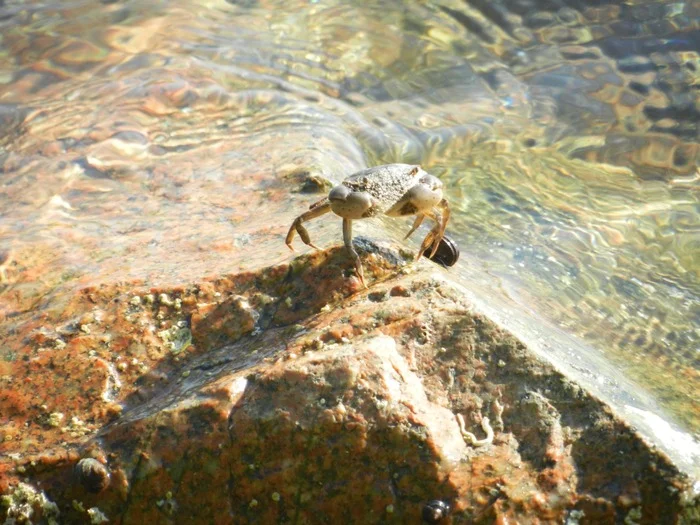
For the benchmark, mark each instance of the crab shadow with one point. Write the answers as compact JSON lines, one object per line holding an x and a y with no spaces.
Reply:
{"x":299,"y":289}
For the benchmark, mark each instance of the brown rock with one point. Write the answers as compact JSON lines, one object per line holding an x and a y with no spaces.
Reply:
{"x":294,"y":403}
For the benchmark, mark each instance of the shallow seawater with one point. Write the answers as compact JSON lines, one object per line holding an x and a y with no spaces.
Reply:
{"x":567,"y":138}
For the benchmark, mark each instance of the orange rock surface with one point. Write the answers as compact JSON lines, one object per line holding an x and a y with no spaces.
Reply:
{"x":291,"y":394}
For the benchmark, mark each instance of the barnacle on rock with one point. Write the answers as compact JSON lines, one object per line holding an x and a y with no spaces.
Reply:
{"x":25,"y":504}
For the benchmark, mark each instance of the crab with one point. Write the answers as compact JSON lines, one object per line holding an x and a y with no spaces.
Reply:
{"x":395,"y":190}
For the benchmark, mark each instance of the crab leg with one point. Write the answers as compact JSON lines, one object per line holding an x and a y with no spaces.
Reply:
{"x":445,"y":213}
{"x":440,"y":214}
{"x":317,"y":209}
{"x":347,"y":237}
{"x":416,"y":223}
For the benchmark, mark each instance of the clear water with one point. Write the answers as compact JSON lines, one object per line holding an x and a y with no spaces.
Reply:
{"x":565,"y":132}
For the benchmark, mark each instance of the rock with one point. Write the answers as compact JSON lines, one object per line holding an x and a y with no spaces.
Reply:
{"x":227,"y":320}
{"x":159,"y":338}
{"x":294,"y":402}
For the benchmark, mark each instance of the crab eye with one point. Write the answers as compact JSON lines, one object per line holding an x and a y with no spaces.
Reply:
{"x":339,"y":193}
{"x":447,"y":253}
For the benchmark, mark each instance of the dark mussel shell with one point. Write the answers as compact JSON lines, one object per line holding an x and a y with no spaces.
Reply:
{"x":447,"y":253}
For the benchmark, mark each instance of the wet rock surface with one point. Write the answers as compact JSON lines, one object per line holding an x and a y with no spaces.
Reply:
{"x":292,"y":394}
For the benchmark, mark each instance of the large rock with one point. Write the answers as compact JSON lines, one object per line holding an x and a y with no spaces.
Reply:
{"x":294,"y":395}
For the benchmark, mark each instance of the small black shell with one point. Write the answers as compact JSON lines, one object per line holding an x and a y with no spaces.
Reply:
{"x":435,"y":511}
{"x":92,"y":474}
{"x":446,"y":254}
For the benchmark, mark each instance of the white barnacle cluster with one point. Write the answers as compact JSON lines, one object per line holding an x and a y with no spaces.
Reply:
{"x":55,"y":419}
{"x":175,"y":333}
{"x":177,"y":337}
{"x":76,"y":427}
{"x":165,"y":299}
{"x":24,"y":504}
